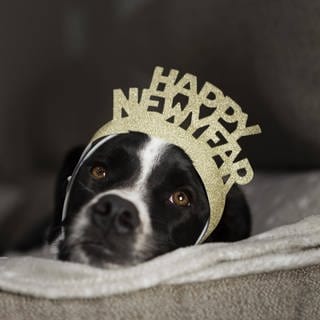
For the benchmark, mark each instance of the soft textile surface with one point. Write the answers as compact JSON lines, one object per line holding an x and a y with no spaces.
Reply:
{"x":281,"y":198}
{"x":291,"y":294}
{"x":286,"y":247}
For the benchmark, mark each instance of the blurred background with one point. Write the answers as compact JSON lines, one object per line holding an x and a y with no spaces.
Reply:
{"x":60,"y":60}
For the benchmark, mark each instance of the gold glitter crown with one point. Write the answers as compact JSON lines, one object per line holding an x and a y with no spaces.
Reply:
{"x":202,"y":121}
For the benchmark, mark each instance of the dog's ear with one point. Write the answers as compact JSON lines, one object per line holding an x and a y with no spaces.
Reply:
{"x":69,"y":163}
{"x":235,"y":223}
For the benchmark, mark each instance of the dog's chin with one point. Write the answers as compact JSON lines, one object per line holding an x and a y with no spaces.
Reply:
{"x":95,"y":254}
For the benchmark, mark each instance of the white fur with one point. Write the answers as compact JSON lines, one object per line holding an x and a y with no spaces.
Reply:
{"x":149,"y":157}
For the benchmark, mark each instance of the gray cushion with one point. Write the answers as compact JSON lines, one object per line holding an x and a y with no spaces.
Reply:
{"x":292,"y":294}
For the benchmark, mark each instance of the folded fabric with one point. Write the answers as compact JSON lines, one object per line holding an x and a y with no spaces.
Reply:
{"x":287,"y":247}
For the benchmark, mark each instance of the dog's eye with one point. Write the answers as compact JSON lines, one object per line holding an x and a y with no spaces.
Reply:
{"x":180,"y":198}
{"x":98,"y":172}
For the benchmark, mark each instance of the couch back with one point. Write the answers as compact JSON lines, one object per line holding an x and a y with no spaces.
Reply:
{"x":60,"y":61}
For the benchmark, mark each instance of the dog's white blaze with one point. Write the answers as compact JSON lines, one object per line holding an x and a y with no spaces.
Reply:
{"x":149,"y":157}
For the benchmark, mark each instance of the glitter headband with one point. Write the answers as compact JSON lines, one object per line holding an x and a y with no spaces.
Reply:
{"x":202,"y":121}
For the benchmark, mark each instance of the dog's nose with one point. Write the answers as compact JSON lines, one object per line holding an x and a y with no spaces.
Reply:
{"x":112,"y":211}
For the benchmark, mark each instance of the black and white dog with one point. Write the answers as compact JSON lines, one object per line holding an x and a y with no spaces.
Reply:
{"x":137,"y":197}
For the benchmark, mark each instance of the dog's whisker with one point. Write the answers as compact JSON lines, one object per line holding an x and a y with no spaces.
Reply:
{"x":86,"y":187}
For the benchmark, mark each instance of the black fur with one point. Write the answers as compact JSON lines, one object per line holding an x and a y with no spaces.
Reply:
{"x":173,"y":226}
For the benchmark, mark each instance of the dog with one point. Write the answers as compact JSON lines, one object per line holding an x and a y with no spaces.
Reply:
{"x":135,"y":198}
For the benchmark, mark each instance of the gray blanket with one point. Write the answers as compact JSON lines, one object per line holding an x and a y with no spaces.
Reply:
{"x":184,"y":283}
{"x":285,"y":295}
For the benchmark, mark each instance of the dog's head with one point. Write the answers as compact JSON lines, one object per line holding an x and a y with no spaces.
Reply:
{"x":134,"y":198}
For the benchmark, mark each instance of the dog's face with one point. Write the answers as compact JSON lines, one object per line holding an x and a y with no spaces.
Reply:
{"x":134,"y":198}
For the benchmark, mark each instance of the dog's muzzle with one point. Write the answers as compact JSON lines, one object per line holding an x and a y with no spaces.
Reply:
{"x":112,"y":211}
